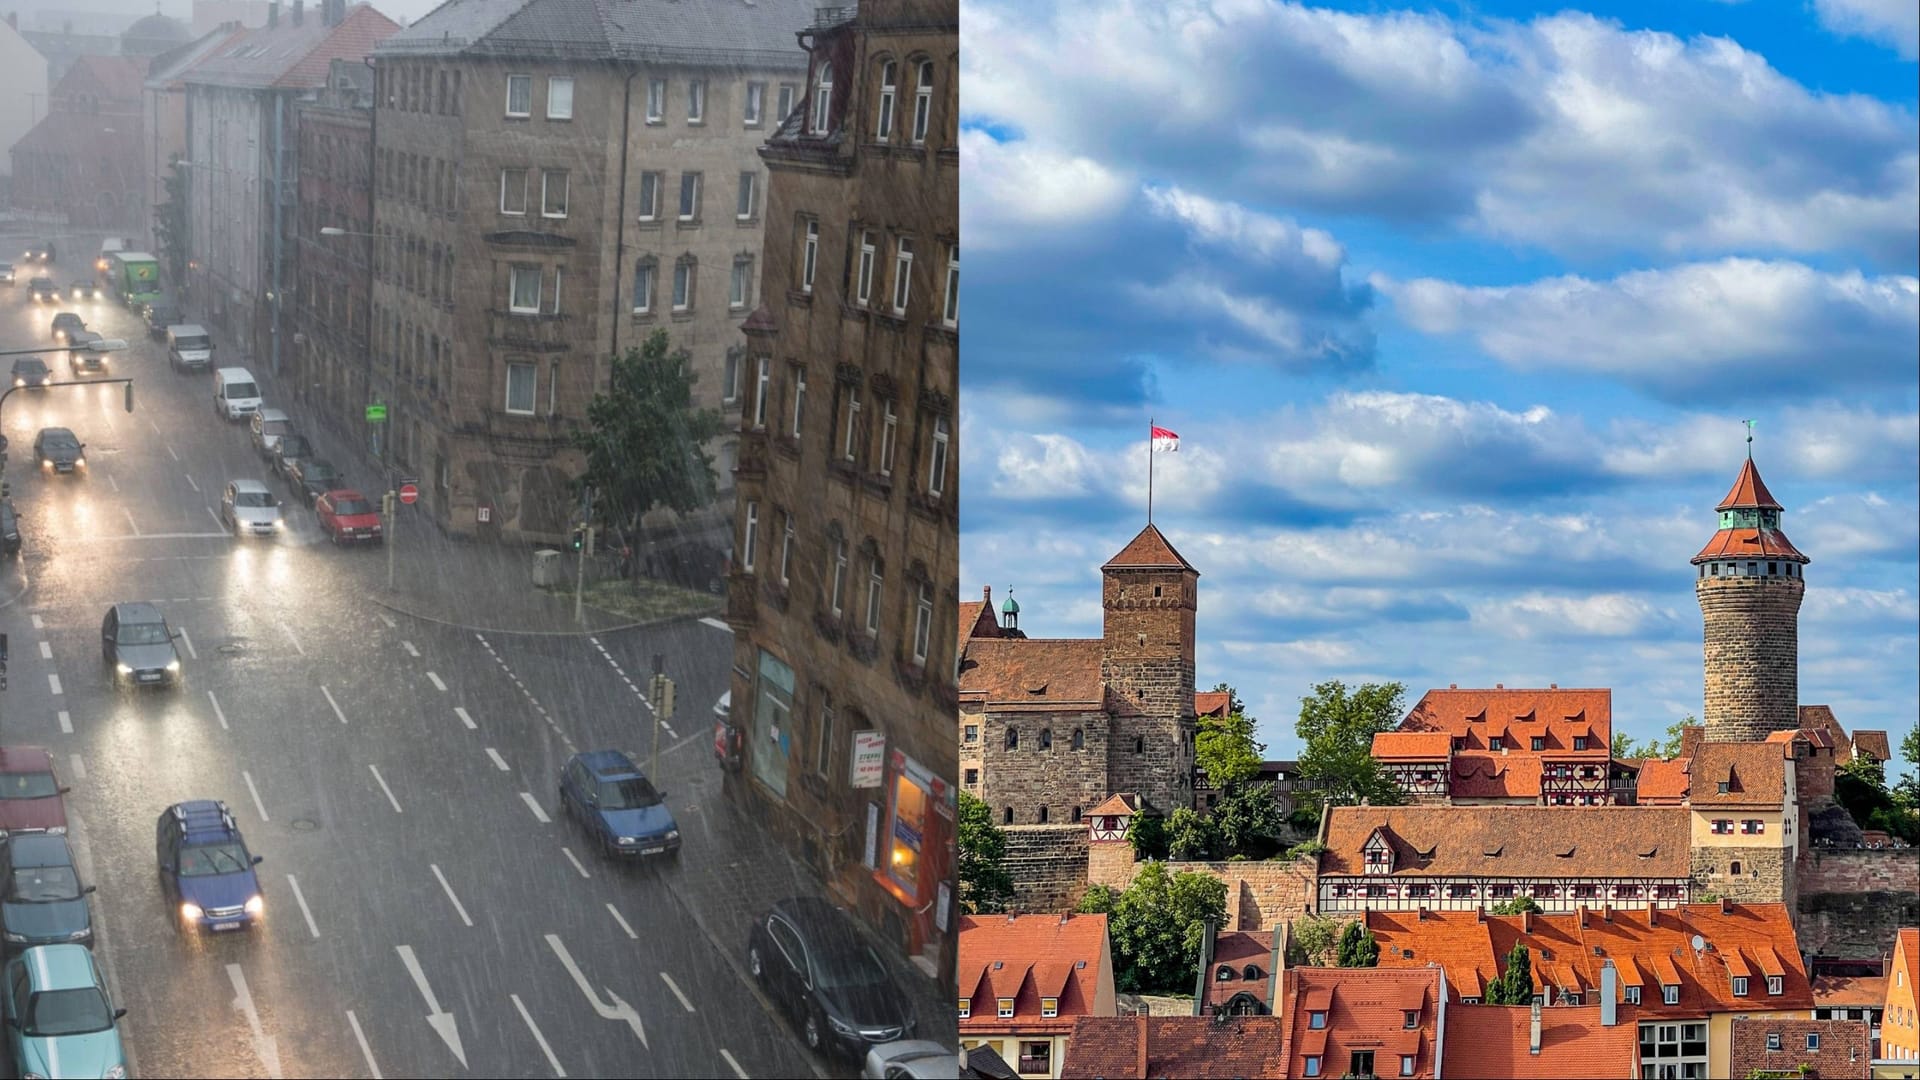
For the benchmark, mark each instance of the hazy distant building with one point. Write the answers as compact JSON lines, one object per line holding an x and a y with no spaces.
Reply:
{"x":23,"y":81}
{"x":82,"y":159}
{"x":210,"y":15}
{"x":163,"y":121}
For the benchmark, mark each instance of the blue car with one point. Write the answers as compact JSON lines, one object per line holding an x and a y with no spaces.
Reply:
{"x":606,"y":791}
{"x":205,"y":868}
{"x":60,"y":1019}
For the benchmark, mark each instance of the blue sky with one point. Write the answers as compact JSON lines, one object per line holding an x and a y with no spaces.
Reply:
{"x":1457,"y":310}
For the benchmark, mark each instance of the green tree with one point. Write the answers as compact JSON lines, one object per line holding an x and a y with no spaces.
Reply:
{"x":1861,"y":787}
{"x":1906,"y":792}
{"x":1514,"y":986}
{"x":1337,"y":728}
{"x":1357,"y":948}
{"x":1157,"y":926}
{"x":985,"y":885}
{"x":1148,"y":835}
{"x":1517,"y":905}
{"x":1225,"y":747}
{"x":1248,"y":821}
{"x":1190,"y":835}
{"x":644,"y":437}
{"x":170,"y":222}
{"x":1622,"y":745}
{"x":1668,"y":747}
{"x":1314,"y":941}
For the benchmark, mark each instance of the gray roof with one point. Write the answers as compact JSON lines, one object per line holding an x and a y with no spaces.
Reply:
{"x":740,"y":32}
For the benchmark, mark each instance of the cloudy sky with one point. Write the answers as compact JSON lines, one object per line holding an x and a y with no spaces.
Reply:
{"x":1457,"y":310}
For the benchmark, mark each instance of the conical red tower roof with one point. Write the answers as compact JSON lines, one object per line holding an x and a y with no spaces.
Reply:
{"x":1749,"y":492}
{"x":1146,"y":551}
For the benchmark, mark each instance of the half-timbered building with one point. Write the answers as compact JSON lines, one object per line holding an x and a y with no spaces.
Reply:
{"x":1507,"y":747}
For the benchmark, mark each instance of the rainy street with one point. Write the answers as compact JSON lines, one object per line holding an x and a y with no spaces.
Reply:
{"x":429,"y":911}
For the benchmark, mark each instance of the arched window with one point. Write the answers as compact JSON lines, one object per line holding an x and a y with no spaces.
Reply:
{"x":1734,"y":867}
{"x":1252,"y":972}
{"x":1043,"y":815}
{"x":1079,"y":739}
{"x":1046,"y":738}
{"x":822,"y":98}
{"x":1224,"y":973}
{"x":1139,"y":744}
{"x":1009,"y":815}
{"x":1013,"y":738}
{"x":1076,"y":815}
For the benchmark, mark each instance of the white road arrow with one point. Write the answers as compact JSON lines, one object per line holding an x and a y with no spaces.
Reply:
{"x":263,"y":1044}
{"x":619,"y":1010}
{"x":442,"y":1022}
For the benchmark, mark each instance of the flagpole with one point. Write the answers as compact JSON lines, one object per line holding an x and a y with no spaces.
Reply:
{"x":1149,"y":470}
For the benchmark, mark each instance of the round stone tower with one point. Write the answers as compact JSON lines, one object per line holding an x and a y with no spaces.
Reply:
{"x":1749,"y":580}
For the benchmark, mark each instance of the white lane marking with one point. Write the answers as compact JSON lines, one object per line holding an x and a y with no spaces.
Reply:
{"x":191,"y":484}
{"x":257,"y":804}
{"x":79,"y":767}
{"x":675,"y":987}
{"x":498,"y":761}
{"x":304,"y":909}
{"x":718,"y":625}
{"x":328,"y":694}
{"x":527,"y":797}
{"x":367,"y":1051}
{"x":442,"y":1022}
{"x":130,"y":522}
{"x":457,"y":906}
{"x":66,"y":723}
{"x":288,"y":630}
{"x":388,"y":619}
{"x":464,"y":718}
{"x":53,"y":683}
{"x":154,"y":426}
{"x":545,"y":717}
{"x":437,"y":684}
{"x":537,"y":1037}
{"x":411,"y":651}
{"x":37,"y":624}
{"x":619,"y":1010}
{"x":615,"y":912}
{"x":192,"y":653}
{"x":568,"y":852}
{"x":734,"y":1065}
{"x":218,"y":713}
{"x":114,"y":483}
{"x":171,"y":453}
{"x":263,"y":1044}
{"x":46,"y":650}
{"x":385,"y":788}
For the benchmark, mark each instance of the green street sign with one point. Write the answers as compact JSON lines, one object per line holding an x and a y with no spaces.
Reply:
{"x":376,"y":414}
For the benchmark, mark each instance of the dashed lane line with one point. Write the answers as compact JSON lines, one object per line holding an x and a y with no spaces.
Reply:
{"x":172,"y":453}
{"x":388,"y":619}
{"x":130,"y":522}
{"x":257,"y":804}
{"x":312,"y":927}
{"x":498,"y":761}
{"x":537,"y":1037}
{"x":464,"y":718}
{"x":37,"y":624}
{"x":383,"y":787}
{"x":191,"y":484}
{"x":534,"y":701}
{"x":437,"y":684}
{"x":79,"y":767}
{"x":66,"y":723}
{"x":534,"y":805}
{"x":46,"y":650}
{"x":328,"y":694}
{"x":411,"y":651}
{"x":115,"y":484}
{"x":192,"y":653}
{"x":675,"y":987}
{"x":288,"y":630}
{"x":575,"y":860}
{"x":218,"y":713}
{"x":53,"y":684}
{"x":365,"y":1050}
{"x":637,"y":692}
{"x":617,"y":917}
{"x":732,"y":1064}
{"x":457,"y":906}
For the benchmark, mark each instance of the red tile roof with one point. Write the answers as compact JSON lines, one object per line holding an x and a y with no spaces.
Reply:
{"x":1149,"y":550}
{"x":1819,"y":723}
{"x":1750,"y":544}
{"x":977,"y":618}
{"x":291,"y":57}
{"x":1211,"y":702}
{"x":1749,"y":491}
{"x":1849,"y":991}
{"x":1412,"y":746}
{"x":1647,"y":947}
{"x":1873,"y":744}
{"x":1476,"y":713}
{"x":117,"y":79}
{"x":1027,"y":958}
{"x":1513,"y":841}
{"x":1843,"y":1049}
{"x":1239,"y":950}
{"x":1496,"y":776}
{"x":1754,"y":773}
{"x":1662,"y":782}
{"x":1365,"y":1011}
{"x":1496,"y":1041}
{"x":1034,"y":673}
{"x":1200,"y":1047}
{"x":1124,"y":804}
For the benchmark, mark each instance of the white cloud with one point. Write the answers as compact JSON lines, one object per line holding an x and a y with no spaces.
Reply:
{"x":1539,"y":614}
{"x":1043,"y":467}
{"x":1253,"y":234}
{"x":1891,"y":22}
{"x":1823,"y":440}
{"x":1841,"y":606}
{"x":1738,"y":327}
{"x":1015,"y":189}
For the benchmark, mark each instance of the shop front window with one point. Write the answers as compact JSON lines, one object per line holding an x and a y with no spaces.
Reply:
{"x":772,"y":717}
{"x":912,"y":794}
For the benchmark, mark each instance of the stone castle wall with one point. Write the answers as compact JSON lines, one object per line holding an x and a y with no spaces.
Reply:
{"x":1260,"y":895}
{"x":1048,"y":865}
{"x":1764,"y":875}
{"x":1752,"y":655}
{"x":1026,"y":778}
{"x":1852,"y":900}
{"x":1148,"y":670}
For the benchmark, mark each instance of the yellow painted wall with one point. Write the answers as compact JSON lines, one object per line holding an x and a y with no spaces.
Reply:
{"x":1008,"y":1047}
{"x":1775,"y":836}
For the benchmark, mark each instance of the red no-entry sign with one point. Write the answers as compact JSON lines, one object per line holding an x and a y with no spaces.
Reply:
{"x":409,"y":493}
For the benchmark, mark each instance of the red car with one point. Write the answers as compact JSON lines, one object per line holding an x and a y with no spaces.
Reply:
{"x":29,"y":792}
{"x":348,"y":517}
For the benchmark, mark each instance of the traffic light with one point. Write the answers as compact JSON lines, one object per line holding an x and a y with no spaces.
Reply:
{"x":579,"y":537}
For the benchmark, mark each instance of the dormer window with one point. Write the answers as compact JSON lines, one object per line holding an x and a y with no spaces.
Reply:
{"x":1669,"y":993}
{"x":1006,"y":1008}
{"x":1539,"y":743}
{"x":1317,"y":1019}
{"x":1410,"y":1018}
{"x":1739,"y":986}
{"x":1049,"y":1008}
{"x":966,"y":1009}
{"x":1379,"y":860}
{"x":1224,"y":973}
{"x":1774,"y":985}
{"x":1495,"y":742}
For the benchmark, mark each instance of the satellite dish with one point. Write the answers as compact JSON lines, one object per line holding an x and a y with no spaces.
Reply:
{"x":1699,"y":943}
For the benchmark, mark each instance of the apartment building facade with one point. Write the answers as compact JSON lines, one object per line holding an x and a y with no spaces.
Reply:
{"x":846,"y":576}
{"x":332,"y":307}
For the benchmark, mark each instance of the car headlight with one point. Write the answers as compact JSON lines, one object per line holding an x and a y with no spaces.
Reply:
{"x":279,"y":523}
{"x":80,"y":935}
{"x":673,"y":834}
{"x":173,"y":664}
{"x":123,"y":669}
{"x":628,"y":840}
{"x":841,"y":1026}
{"x":256,"y":905}
{"x":117,"y":1072}
{"x":18,"y":381}
{"x":190,"y":912}
{"x":57,"y":830}
{"x":79,"y":463}
{"x":11,"y":936}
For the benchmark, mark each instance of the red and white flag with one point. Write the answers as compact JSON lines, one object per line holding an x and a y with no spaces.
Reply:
{"x":1166,"y":440}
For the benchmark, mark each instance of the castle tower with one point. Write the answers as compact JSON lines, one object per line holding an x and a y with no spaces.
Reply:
{"x":1148,"y":594}
{"x":1749,"y":581}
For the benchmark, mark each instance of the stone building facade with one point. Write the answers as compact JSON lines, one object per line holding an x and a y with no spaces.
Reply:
{"x":844,"y":586}
{"x":1749,"y":580}
{"x":550,"y":191}
{"x":332,"y":306}
{"x":1149,"y":594}
{"x":79,"y":161}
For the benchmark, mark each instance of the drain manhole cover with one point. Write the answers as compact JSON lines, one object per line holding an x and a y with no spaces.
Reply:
{"x":233,"y":646}
{"x":305,"y":824}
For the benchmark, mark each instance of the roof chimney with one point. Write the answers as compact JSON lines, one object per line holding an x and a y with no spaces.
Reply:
{"x":1609,"y":1010}
{"x":1499,"y":686}
{"x":1453,"y":686}
{"x":1653,"y":914}
{"x":1423,"y":913}
{"x":1480,"y":913}
{"x":1276,"y":965}
{"x":273,"y":14}
{"x":1526,"y":921}
{"x":1533,"y":1032}
{"x":986,"y":594}
{"x":299,"y":12}
{"x":1726,"y":905}
{"x":1206,"y":966}
{"x":1553,"y":686}
{"x":1606,"y":912}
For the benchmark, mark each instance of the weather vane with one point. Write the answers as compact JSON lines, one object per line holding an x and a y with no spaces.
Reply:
{"x":1749,"y":424}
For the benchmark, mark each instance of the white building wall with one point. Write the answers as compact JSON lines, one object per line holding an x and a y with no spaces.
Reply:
{"x":23,"y":86}
{"x":227,"y":231}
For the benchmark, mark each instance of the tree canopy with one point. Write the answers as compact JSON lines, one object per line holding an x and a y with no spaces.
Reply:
{"x":1157,"y":926}
{"x":985,"y":885}
{"x":1514,"y":986}
{"x":1225,"y":747}
{"x":1337,"y":728}
{"x":1668,"y":747}
{"x":1358,"y":948}
{"x":170,"y":222}
{"x":644,"y":439}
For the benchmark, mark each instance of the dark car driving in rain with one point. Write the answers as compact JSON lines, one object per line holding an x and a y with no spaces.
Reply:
{"x":31,"y":371}
{"x":59,"y":450}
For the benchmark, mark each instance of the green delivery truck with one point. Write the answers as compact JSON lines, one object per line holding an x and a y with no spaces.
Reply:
{"x":136,"y":278}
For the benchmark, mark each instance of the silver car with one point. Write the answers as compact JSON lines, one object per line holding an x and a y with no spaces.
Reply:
{"x":249,"y":509}
{"x":268,"y":425}
{"x":911,"y":1059}
{"x":136,"y":640}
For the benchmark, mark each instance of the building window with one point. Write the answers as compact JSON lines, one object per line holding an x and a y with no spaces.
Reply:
{"x":922,"y":102}
{"x":683,"y":285}
{"x":883,"y":127}
{"x":1006,"y":1008}
{"x":1669,"y":993}
{"x":739,"y":293}
{"x":1013,"y":738}
{"x":519,"y":95}
{"x":696,"y":101}
{"x":643,"y":290}
{"x":1739,"y":986}
{"x":822,"y":99}
{"x":771,"y":723}
{"x":950,"y":309}
{"x":1313,"y":1065}
{"x":523,"y":290}
{"x":876,"y":584}
{"x":799,"y":399}
{"x":839,"y":575}
{"x":1316,"y":1019}
{"x":1406,"y":1064}
{"x":1579,"y":742}
{"x":560,"y":97}
{"x":937,"y":465}
{"x":1539,"y":743}
{"x":649,"y":196}
{"x":559,"y":275}
{"x":1753,"y":826}
{"x":966,"y":1009}
{"x":762,"y":378}
{"x":1494,"y":743}
{"x":750,"y":541}
{"x":513,"y":191}
{"x":889,"y":425}
{"x":783,"y":104}
{"x":1040,"y":818}
{"x":1773,"y":1040}
{"x":1008,"y":816}
{"x":1049,"y":1007}
{"x":553,"y":193}
{"x":748,"y":184}
{"x":656,"y":100}
{"x":689,"y":196}
{"x":521,"y":381}
{"x":1722,"y":826}
{"x":1633,"y":995}
{"x":810,"y":260}
{"x":1813,"y":1040}
{"x":1774,"y":987}
{"x":972,"y":777}
{"x":902,"y":274}
{"x":923,"y":625}
{"x":1360,"y":1062}
{"x":863,"y":283}
{"x":972,"y":733}
{"x":756,"y":100}
{"x":1046,"y":738}
{"x":730,"y":377}
{"x":786,"y":547}
{"x":850,"y":444}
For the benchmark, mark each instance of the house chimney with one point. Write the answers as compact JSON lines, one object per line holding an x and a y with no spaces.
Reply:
{"x":1526,"y":921}
{"x":1726,"y":905}
{"x":1423,"y":913}
{"x":1609,"y":1011}
{"x":1276,"y":966}
{"x":1606,"y":912}
{"x":1206,"y":967}
{"x":1533,"y":1032}
{"x":1453,"y":686}
{"x":1653,"y":913}
{"x":986,"y":595}
{"x":1480,"y":913}
{"x":299,"y":12}
{"x":1553,"y":686}
{"x":1581,"y":911}
{"x":1499,"y":686}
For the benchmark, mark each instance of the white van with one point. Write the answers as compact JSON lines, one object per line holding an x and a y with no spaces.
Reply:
{"x":236,"y":394}
{"x":189,"y":346}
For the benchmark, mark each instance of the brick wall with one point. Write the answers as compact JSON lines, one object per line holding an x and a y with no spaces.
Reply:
{"x":1765,"y":874}
{"x":1260,"y":895}
{"x":1752,"y":649}
{"x":1026,"y":778}
{"x":1048,"y":865}
{"x":1148,"y":670}
{"x":1852,"y":900}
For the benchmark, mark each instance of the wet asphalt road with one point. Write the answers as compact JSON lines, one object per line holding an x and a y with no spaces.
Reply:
{"x":429,"y":911}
